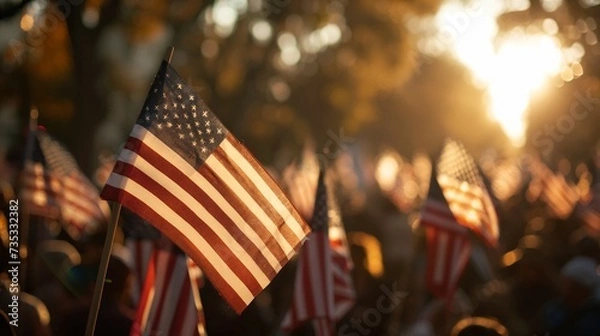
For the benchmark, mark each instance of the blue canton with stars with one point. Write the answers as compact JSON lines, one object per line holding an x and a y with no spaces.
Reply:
{"x":176,"y":114}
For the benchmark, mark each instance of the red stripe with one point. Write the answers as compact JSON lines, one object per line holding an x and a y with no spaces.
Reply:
{"x":145,"y":296}
{"x":149,"y":214}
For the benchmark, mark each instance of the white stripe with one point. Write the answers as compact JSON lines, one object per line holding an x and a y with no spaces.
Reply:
{"x":199,"y":211}
{"x":186,"y":230}
{"x":261,"y":185}
{"x":441,"y":247}
{"x":159,"y":147}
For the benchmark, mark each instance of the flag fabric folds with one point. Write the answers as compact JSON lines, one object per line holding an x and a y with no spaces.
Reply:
{"x":53,"y":186}
{"x":186,"y":174}
{"x":448,"y":244}
{"x":313,"y":297}
{"x":464,"y":190}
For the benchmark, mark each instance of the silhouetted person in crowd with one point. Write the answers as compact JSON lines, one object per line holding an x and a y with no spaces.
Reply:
{"x":577,"y":311}
{"x":115,"y":317}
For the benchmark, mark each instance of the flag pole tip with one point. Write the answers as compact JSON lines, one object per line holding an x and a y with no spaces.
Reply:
{"x":169,"y":55}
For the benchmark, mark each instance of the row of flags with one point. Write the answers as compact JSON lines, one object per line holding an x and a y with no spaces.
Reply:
{"x":186,"y":175}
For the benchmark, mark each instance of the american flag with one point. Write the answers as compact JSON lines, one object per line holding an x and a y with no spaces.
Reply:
{"x":448,"y":244}
{"x":465,"y":192}
{"x":55,"y":187}
{"x":343,"y":286}
{"x":300,"y":182}
{"x":182,"y":171}
{"x":560,"y":196}
{"x":313,"y":297}
{"x":166,"y":283}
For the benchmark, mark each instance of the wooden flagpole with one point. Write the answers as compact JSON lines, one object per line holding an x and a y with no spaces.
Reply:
{"x":106,"y":252}
{"x":24,"y":251}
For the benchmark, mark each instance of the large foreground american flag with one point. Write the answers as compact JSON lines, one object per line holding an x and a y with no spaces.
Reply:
{"x":313,"y":297}
{"x":465,"y":192}
{"x":185,"y":173}
{"x":54,"y":186}
{"x":448,"y":244}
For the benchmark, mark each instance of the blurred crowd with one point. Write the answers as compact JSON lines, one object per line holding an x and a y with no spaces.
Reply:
{"x":542,"y":279}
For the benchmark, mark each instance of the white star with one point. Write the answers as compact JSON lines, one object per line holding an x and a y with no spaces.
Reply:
{"x":147,"y":118}
{"x":203,"y":149}
{"x":219,"y":130}
{"x":202,"y":141}
{"x":168,"y":75}
{"x":181,"y":136}
{"x":191,"y":134}
{"x":208,"y":131}
{"x":175,"y":116}
{"x":174,"y":104}
{"x":155,"y":90}
{"x":211,"y":140}
{"x":194,"y":114}
{"x":169,"y":124}
{"x":164,"y":95}
{"x":179,"y":96}
{"x":155,"y":107}
{"x":197,"y":123}
{"x":188,"y":126}
{"x":159,"y":126}
{"x":147,"y":108}
{"x":182,"y":105}
{"x":194,"y":108}
{"x":194,"y":143}
{"x":204,"y":113}
{"x":165,"y":117}
{"x":179,"y":86}
{"x":178,"y":126}
{"x":166,"y":107}
{"x":207,"y":123}
{"x":192,"y":98}
{"x":199,"y":132}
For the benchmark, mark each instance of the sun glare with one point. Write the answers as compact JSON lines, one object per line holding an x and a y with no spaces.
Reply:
{"x":511,"y":66}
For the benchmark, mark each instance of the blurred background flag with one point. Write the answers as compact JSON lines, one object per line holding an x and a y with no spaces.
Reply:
{"x":342,"y":265}
{"x":560,"y":196}
{"x":183,"y":172}
{"x":448,"y":244}
{"x":313,"y":297}
{"x":166,"y":283}
{"x":55,"y":187}
{"x":464,"y":190}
